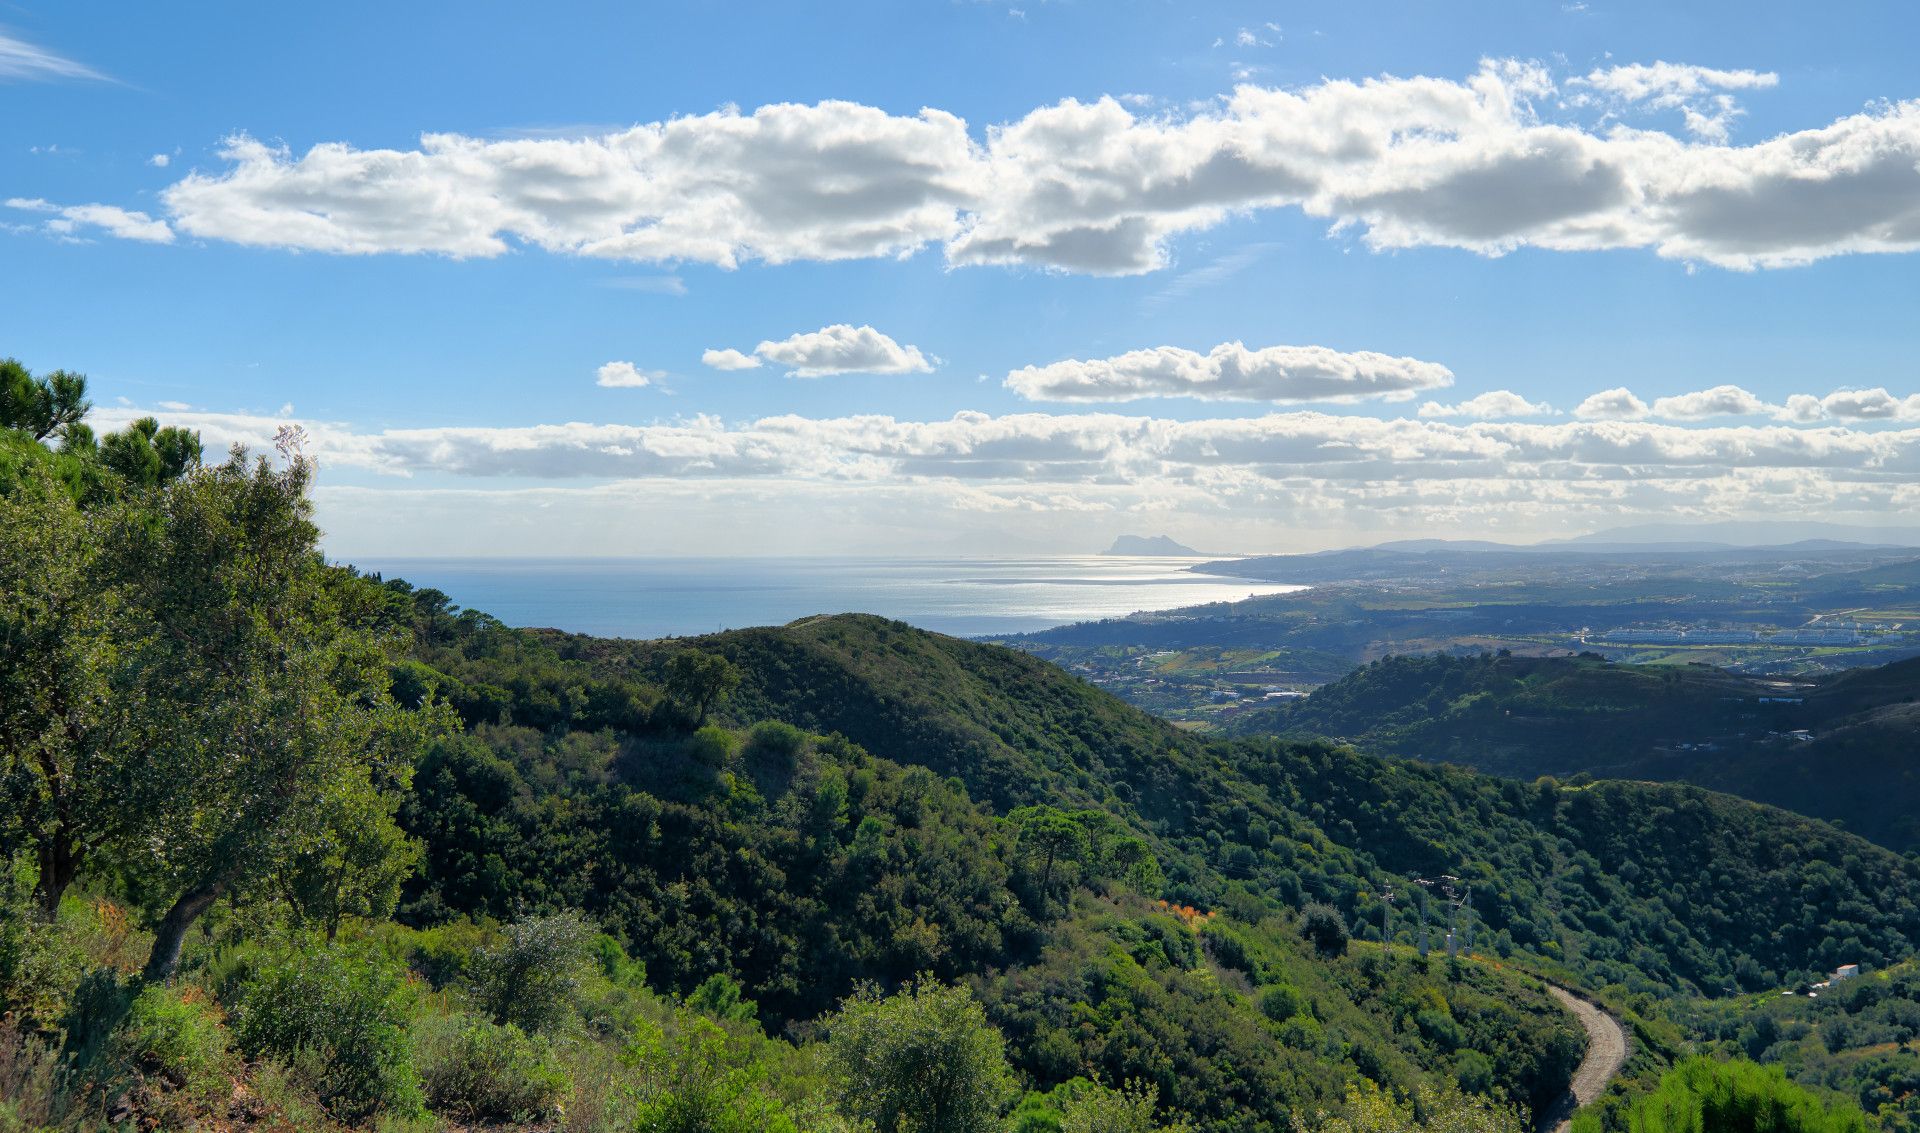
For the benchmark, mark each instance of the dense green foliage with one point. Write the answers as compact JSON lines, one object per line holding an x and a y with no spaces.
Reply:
{"x":1859,"y":1039}
{"x":1839,"y":747}
{"x":383,"y":860}
{"x":1704,"y":1096}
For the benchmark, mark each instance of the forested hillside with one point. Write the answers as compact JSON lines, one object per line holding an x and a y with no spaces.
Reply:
{"x":1840,"y":747}
{"x":288,"y":846}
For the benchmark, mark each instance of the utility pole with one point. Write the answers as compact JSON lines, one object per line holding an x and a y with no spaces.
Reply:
{"x":1386,"y":921}
{"x":1423,"y":918}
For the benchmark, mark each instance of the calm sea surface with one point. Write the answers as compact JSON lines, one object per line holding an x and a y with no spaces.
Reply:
{"x":660,"y":597}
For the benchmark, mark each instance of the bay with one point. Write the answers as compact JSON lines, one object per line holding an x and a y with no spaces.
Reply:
{"x":667,"y":597}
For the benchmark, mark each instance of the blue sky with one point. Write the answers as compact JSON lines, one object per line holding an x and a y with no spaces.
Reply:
{"x":1394,"y":208}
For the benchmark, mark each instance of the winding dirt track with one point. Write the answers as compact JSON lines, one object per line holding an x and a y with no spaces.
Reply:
{"x":1606,"y":1053}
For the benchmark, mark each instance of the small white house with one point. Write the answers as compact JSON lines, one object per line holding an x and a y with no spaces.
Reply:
{"x":1844,"y":972}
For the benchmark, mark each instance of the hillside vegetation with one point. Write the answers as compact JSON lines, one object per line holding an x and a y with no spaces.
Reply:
{"x":1840,"y":747}
{"x":290,"y":847}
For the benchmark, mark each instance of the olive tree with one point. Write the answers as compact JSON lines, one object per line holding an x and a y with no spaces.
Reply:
{"x":923,"y":1061}
{"x":61,"y":726}
{"x":698,"y":681}
{"x":258,"y":710}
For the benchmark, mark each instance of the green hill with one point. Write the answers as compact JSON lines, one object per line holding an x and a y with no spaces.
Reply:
{"x":1555,"y":874}
{"x":1840,"y":747}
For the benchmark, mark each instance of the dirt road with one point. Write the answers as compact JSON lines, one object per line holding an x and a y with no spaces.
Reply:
{"x":1606,"y":1053}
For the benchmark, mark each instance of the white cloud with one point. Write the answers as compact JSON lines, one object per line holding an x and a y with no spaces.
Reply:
{"x":1074,"y":450}
{"x":1616,"y":404}
{"x":1697,"y":92}
{"x":839,"y":349}
{"x":787,"y":182}
{"x":1431,"y":162}
{"x":1720,"y":401}
{"x":160,"y":160}
{"x":729,"y":359}
{"x":1852,"y":405}
{"x":1489,"y":163}
{"x":1496,"y":403}
{"x":1296,"y":473}
{"x":24,"y":62}
{"x":1231,"y":372}
{"x":625,"y":375}
{"x":71,"y":220}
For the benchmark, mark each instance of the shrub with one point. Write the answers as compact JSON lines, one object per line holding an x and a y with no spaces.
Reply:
{"x":337,"y":1014}
{"x":531,"y":978}
{"x":1281,"y":1002}
{"x":1703,"y":1095}
{"x":476,"y":1070}
{"x":711,"y":747}
{"x":1369,"y":1109}
{"x":719,"y":996}
{"x":32,"y":1082}
{"x":172,"y":1034}
{"x":775,"y":742}
{"x":696,"y":1083}
{"x":41,"y":960}
{"x":924,"y":1060}
{"x":1325,"y":929}
{"x":1097,"y":1109}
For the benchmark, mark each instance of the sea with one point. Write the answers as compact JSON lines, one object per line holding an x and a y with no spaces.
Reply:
{"x":674,"y":597}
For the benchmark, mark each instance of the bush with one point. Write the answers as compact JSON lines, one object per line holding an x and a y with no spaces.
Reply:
{"x":711,"y":747}
{"x":719,"y":996}
{"x":32,"y":1082}
{"x":1097,"y":1109}
{"x":698,"y":1082}
{"x":926,"y":1051}
{"x":175,"y":1035}
{"x":338,"y":1015}
{"x":1325,"y":929}
{"x":775,"y":742}
{"x":475,"y":1070}
{"x":1704,"y":1096}
{"x":40,"y":961}
{"x":531,"y":978}
{"x":1281,"y":1002}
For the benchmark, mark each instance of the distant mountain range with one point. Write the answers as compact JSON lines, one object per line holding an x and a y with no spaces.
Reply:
{"x":1684,"y":537}
{"x":1764,"y":533}
{"x":1148,"y":545}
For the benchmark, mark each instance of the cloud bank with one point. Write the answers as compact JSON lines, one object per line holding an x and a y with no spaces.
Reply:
{"x":1508,"y":157}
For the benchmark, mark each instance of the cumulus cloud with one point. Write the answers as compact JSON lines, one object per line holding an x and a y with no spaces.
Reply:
{"x":1616,"y":404}
{"x":1067,"y":451}
{"x":625,"y":375}
{"x":1699,"y":93}
{"x":838,"y":349}
{"x":1852,"y":405}
{"x":1497,"y":403}
{"x":1505,"y":158}
{"x":1231,"y":372}
{"x":729,"y":359}
{"x":76,"y":221}
{"x":21,"y":61}
{"x":160,"y":160}
{"x":1720,"y":401}
{"x":826,"y":182}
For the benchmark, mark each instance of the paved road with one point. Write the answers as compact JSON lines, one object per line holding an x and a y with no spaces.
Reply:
{"x":1606,"y":1053}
